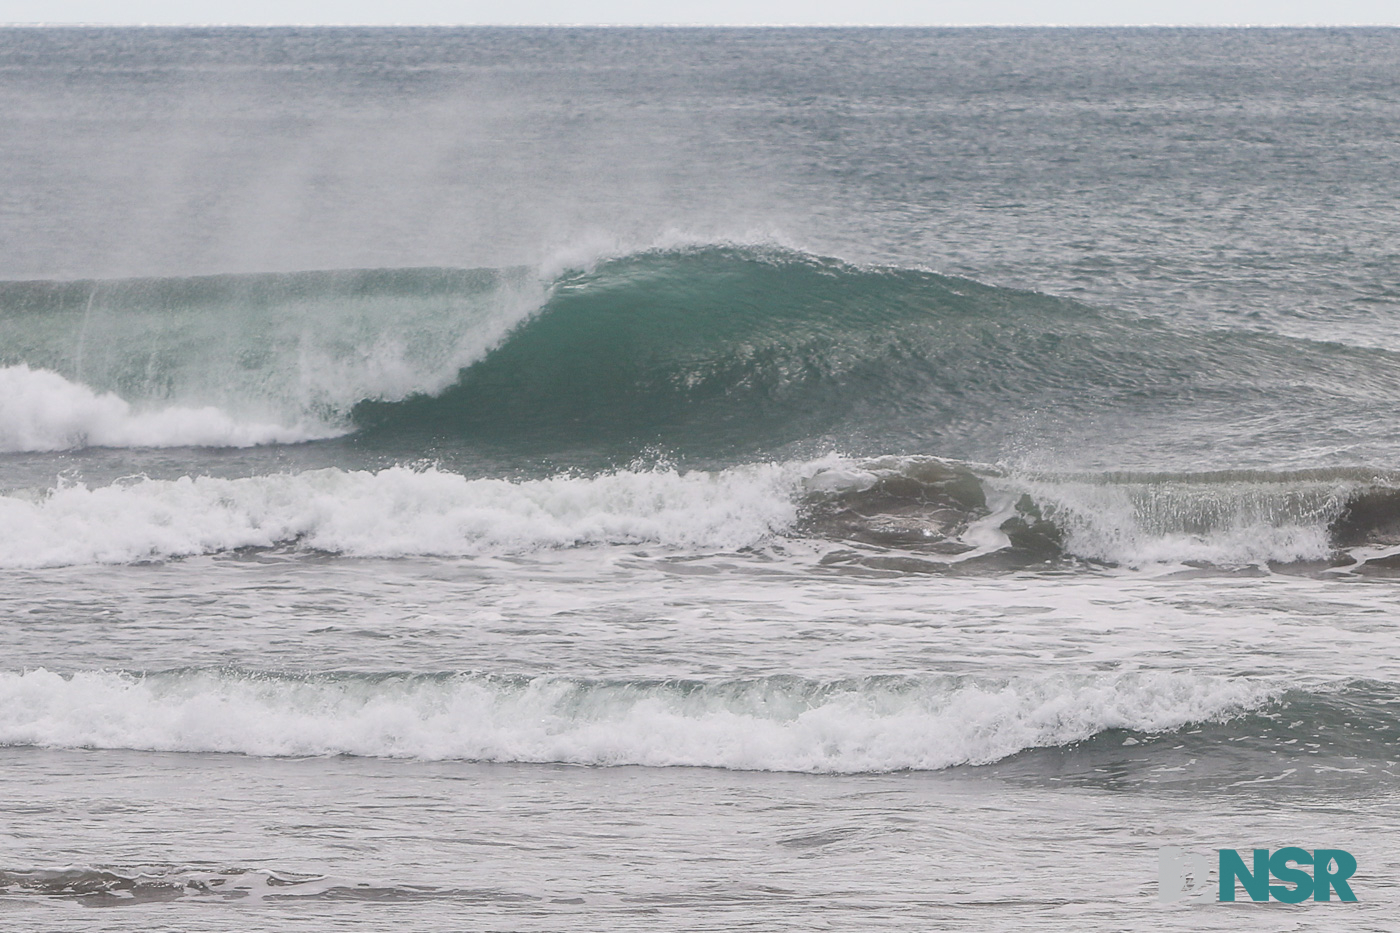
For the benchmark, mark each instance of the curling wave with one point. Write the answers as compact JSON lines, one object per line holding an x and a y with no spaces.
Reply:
{"x":699,"y":349}
{"x":238,"y":360}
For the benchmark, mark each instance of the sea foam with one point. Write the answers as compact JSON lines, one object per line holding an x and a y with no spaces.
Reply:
{"x":41,"y":411}
{"x":775,"y":723}
{"x":238,"y":360}
{"x":1193,"y":518}
{"x":396,"y":512}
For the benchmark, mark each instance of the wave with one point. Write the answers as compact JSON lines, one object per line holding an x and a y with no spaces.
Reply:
{"x":42,"y":411}
{"x":699,"y":348}
{"x":396,"y":512}
{"x":927,"y":514}
{"x":891,"y":514}
{"x":1215,"y":518}
{"x":238,"y":360}
{"x":776,"y":723}
{"x":729,"y":346}
{"x":744,"y":349}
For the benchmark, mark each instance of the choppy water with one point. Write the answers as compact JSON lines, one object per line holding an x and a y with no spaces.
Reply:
{"x":694,"y":479}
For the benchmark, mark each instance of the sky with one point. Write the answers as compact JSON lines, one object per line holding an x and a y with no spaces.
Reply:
{"x":707,"y":12}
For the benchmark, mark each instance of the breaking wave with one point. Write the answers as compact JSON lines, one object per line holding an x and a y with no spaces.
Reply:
{"x":238,"y":360}
{"x":776,"y":723}
{"x":897,"y":514}
{"x":396,"y":512}
{"x":697,"y":349}
{"x":42,"y":411}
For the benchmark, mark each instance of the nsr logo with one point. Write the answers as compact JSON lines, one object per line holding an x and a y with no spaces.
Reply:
{"x":1187,"y":875}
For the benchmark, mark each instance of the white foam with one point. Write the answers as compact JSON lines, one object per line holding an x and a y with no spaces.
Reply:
{"x":774,"y":723}
{"x":40,"y":410}
{"x":1223,"y":523}
{"x":397,"y":512}
{"x":233,"y":373}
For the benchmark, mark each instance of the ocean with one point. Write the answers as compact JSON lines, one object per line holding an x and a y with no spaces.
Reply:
{"x":705,"y":479}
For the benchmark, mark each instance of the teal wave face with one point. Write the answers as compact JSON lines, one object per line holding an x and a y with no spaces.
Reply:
{"x":716,"y":352}
{"x":1305,"y":742}
{"x":746,"y":348}
{"x":742,"y":350}
{"x":712,"y":346}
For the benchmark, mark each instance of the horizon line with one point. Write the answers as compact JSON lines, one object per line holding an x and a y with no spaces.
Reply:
{"x":591,"y":25}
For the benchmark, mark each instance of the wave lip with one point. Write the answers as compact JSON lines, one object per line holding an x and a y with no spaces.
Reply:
{"x":234,"y":360}
{"x":698,"y":348}
{"x":775,"y":723}
{"x":42,"y":411}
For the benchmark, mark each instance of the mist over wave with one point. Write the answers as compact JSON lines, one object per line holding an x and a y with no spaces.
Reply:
{"x":776,"y":723}
{"x":216,"y":360}
{"x":717,"y":478}
{"x":756,"y":360}
{"x":709,"y":350}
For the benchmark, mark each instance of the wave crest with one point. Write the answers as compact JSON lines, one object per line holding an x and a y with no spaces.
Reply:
{"x":702,"y":348}
{"x":896,"y":514}
{"x":778,"y":723}
{"x":396,"y":512}
{"x":226,"y":360}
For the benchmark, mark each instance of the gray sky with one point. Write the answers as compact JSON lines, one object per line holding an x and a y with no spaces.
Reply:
{"x":708,"y":12}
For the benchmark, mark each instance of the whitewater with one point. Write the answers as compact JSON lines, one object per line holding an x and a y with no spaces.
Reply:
{"x":563,"y":479}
